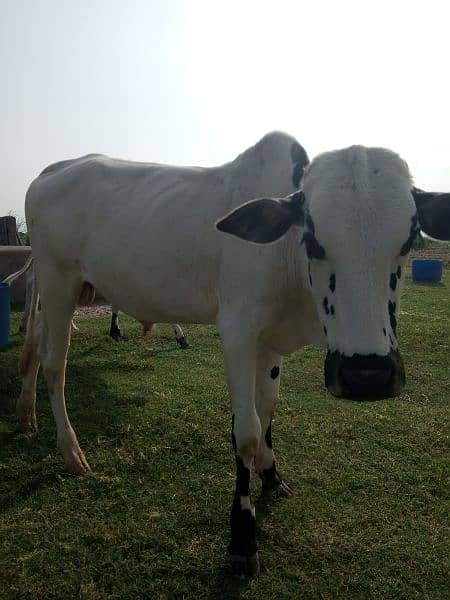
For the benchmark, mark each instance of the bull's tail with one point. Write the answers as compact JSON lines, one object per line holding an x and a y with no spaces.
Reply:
{"x":29,"y":344}
{"x":17,"y":274}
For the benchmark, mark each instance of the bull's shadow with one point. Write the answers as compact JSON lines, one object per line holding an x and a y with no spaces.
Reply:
{"x":94,"y":409}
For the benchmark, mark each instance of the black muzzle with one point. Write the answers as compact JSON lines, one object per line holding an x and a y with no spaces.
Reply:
{"x":364,"y":377}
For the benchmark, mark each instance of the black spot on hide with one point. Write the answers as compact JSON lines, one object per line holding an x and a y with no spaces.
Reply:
{"x":393,"y":281}
{"x":300,"y":160}
{"x":275,"y":371}
{"x":313,"y":248}
{"x":309,"y":223}
{"x":332,"y":282}
{"x":297,"y":174}
{"x":325,"y":306}
{"x":414,"y":231}
{"x":268,"y":436}
{"x":399,"y":272}
{"x":332,"y":310}
{"x":392,"y":317}
{"x":325,"y":330}
{"x":384,"y":331}
{"x":309,"y":274}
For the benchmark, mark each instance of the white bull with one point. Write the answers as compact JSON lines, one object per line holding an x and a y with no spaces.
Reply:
{"x":356,"y":217}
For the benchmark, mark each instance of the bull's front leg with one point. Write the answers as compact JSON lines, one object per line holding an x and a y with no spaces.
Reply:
{"x":114,"y":330}
{"x":268,"y":374}
{"x":240,"y":361}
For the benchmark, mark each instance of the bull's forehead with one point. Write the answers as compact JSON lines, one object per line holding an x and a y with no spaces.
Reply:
{"x":359,"y":194}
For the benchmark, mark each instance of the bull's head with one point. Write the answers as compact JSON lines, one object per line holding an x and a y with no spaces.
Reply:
{"x":358,"y":215}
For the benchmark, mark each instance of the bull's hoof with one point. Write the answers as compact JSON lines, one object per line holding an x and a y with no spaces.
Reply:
{"x":245,"y":566}
{"x":75,"y":461}
{"x":117,"y":337}
{"x":272,"y":484}
{"x":278,"y":490}
{"x":78,"y":465}
{"x":183,"y":343}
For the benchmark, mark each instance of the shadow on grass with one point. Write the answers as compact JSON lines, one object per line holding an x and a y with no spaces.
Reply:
{"x":28,"y":461}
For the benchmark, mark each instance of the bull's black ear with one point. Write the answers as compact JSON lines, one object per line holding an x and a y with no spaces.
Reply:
{"x":264,"y":220}
{"x":433,"y":209}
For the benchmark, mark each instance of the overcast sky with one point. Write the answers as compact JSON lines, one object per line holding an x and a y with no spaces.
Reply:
{"x":196,"y":82}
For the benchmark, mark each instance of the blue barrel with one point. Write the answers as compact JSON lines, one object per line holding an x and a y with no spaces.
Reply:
{"x":5,"y":312}
{"x":427,"y":270}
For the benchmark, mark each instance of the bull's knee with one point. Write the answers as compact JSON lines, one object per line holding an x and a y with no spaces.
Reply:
{"x":246,"y":435}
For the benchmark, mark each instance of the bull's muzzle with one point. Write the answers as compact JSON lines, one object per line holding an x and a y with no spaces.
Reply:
{"x":364,"y":377}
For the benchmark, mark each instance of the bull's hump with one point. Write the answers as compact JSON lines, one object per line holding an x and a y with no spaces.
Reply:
{"x":63,"y":164}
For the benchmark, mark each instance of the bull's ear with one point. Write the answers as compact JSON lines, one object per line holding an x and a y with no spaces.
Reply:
{"x":433,"y":209}
{"x":264,"y":220}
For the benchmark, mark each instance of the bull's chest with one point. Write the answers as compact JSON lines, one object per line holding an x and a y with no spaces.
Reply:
{"x":296,"y":326}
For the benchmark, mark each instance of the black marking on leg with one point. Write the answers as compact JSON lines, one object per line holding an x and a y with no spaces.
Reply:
{"x":384,"y":331}
{"x":275,"y":371}
{"x":399,"y":272}
{"x":273,"y":484}
{"x":268,"y":436}
{"x":325,"y":330}
{"x":242,"y":521}
{"x":309,"y":274}
{"x":332,"y":310}
{"x":183,"y":342}
{"x":325,"y":305}
{"x":115,"y":332}
{"x":332,"y":282}
{"x":242,"y":477}
{"x":393,"y":281}
{"x":233,"y":437}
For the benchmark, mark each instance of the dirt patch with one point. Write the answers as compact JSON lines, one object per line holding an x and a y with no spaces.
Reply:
{"x":98,"y":309}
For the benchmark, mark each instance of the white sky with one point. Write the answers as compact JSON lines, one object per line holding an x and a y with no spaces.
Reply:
{"x":196,"y":82}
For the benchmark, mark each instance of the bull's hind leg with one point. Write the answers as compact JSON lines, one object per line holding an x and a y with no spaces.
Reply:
{"x":58,"y":303}
{"x":29,"y":368}
{"x":268,"y":372}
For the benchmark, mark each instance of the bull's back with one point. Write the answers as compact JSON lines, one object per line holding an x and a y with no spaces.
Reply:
{"x":142,"y":233}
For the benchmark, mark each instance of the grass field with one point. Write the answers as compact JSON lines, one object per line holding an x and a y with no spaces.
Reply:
{"x":370,"y":511}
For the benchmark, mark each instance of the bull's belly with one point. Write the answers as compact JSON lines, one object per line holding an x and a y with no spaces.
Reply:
{"x":156,"y":302}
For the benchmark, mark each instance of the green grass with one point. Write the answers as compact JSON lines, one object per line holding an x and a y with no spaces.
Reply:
{"x":368,"y":518}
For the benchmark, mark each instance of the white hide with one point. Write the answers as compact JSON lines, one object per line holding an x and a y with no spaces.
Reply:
{"x":170,"y":264}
